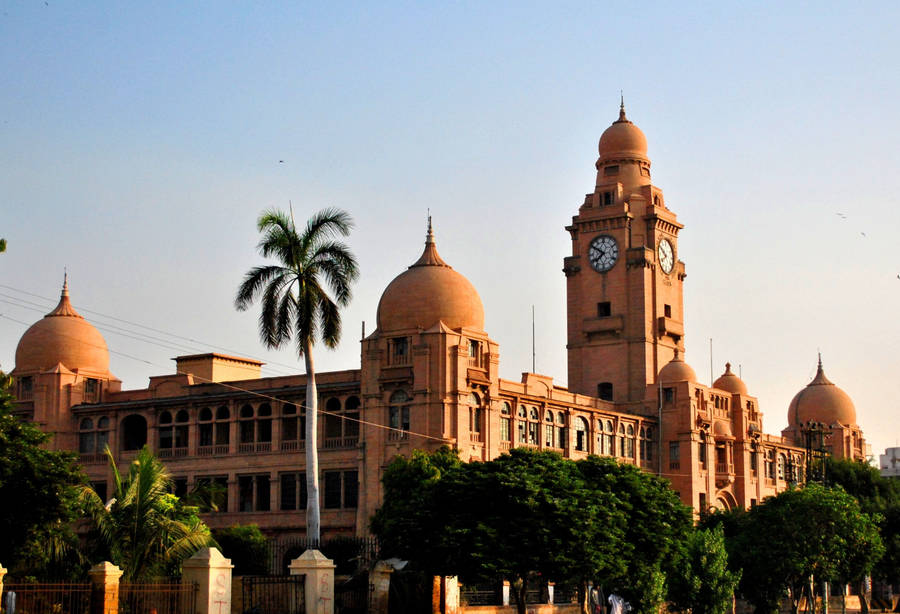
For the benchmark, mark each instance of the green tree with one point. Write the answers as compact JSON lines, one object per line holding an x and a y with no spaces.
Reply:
{"x":296,"y":305}
{"x":145,"y":529}
{"x":812,"y":532}
{"x":2,"y":245}
{"x":38,"y":491}
{"x":656,"y":525}
{"x":247,"y":548}
{"x":700,"y":581}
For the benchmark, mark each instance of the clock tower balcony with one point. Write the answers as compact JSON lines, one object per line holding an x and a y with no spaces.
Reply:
{"x":668,"y":326}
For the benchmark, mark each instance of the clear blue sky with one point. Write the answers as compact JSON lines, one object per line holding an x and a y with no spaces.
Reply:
{"x":139,"y":142}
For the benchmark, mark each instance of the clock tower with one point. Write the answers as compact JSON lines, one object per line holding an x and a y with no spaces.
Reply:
{"x":623,"y":279}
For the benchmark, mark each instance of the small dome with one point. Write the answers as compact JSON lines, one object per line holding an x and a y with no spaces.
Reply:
{"x":430,"y":291}
{"x":62,"y":336}
{"x":722,"y":430}
{"x":729,"y":382}
{"x":821,"y":401}
{"x":677,"y":371}
{"x":623,"y":140}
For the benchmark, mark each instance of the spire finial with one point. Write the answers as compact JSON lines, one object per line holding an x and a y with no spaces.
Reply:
{"x":622,"y":117}
{"x":65,"y":288}
{"x":820,"y":361}
{"x":429,"y":236}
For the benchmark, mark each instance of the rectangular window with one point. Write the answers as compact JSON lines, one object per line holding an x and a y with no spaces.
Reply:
{"x":26,"y":387}
{"x":611,"y":170}
{"x":206,"y":434}
{"x":254,"y":493}
{"x":100,"y":489}
{"x":533,"y":433}
{"x":604,"y":310}
{"x":247,"y":431}
{"x":293,"y":491}
{"x":548,"y":435}
{"x":703,"y":508}
{"x":674,"y":455}
{"x":521,"y":428}
{"x":702,"y":452}
{"x":668,"y":395}
{"x":607,"y":198}
{"x":179,"y":487}
{"x":605,"y":391}
{"x":245,"y":493}
{"x":754,"y":466}
{"x":332,"y":490}
{"x":216,"y":488}
{"x":351,"y":489}
{"x":399,"y":350}
{"x":474,"y":348}
{"x":667,"y":311}
{"x":504,"y":429}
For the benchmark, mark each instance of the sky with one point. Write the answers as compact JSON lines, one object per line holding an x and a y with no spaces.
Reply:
{"x":139,"y":142}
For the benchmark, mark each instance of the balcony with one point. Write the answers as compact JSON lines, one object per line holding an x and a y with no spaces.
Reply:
{"x":336,"y":443}
{"x":217,"y":450}
{"x":92,"y":459}
{"x":294,"y":445}
{"x":172,"y":452}
{"x":476,"y":437}
{"x":670,"y":327}
{"x":394,"y":435}
{"x":259,"y":446}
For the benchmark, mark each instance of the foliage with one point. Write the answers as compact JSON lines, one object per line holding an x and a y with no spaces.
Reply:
{"x":700,"y":581}
{"x":38,"y":491}
{"x":145,"y":529}
{"x":2,"y":245}
{"x":814,"y":531}
{"x":296,"y":305}
{"x":527,"y":513}
{"x":877,"y":496}
{"x":247,"y":548}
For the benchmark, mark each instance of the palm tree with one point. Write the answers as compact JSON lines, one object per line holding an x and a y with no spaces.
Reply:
{"x":296,"y":305}
{"x":144,"y":527}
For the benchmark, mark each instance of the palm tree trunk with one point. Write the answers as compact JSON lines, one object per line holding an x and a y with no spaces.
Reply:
{"x":312,"y":449}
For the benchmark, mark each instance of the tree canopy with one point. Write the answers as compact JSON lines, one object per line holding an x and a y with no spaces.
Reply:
{"x":533,"y":514}
{"x":38,"y":491}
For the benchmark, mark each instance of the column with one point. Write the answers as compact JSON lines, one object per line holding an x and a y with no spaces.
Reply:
{"x":105,"y":588}
{"x":381,"y":586}
{"x":319,"y":584}
{"x":212,"y":574}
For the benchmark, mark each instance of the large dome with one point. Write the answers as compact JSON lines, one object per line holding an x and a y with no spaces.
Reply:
{"x":821,"y":401}
{"x":623,"y":140}
{"x":62,"y":336}
{"x":428,"y":292}
{"x":677,"y":371}
{"x":729,"y":382}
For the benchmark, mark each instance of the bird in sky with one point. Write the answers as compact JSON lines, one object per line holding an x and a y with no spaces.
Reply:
{"x":842,"y":216}
{"x":281,"y":162}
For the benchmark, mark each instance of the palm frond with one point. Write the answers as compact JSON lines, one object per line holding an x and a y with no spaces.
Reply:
{"x":270,"y":329}
{"x":254,"y":282}
{"x":331,"y":321}
{"x":339,"y":267}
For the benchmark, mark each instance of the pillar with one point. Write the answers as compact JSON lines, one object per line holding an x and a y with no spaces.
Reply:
{"x":445,"y":595}
{"x":505,"y":592}
{"x":2,"y":574}
{"x":319,"y":584}
{"x":381,"y":585}
{"x":551,"y":587}
{"x":212,"y":574}
{"x":105,"y":588}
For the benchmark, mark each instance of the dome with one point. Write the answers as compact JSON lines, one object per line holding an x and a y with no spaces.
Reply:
{"x":729,"y":382}
{"x":430,"y":291}
{"x":821,"y":401}
{"x":623,"y":140}
{"x":62,"y":336}
{"x":677,"y":371}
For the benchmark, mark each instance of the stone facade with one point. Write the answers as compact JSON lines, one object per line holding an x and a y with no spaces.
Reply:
{"x":429,"y":376}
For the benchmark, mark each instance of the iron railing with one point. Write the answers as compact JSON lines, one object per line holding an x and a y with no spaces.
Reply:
{"x":157,"y":597}
{"x":274,"y":594}
{"x":47,"y":598}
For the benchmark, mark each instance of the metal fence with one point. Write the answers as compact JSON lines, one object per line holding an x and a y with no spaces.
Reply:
{"x":274,"y":594}
{"x":157,"y":598}
{"x":46,"y":598}
{"x":350,"y":554}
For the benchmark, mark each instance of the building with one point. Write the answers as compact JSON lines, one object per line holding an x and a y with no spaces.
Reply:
{"x":889,"y":463}
{"x":429,"y":376}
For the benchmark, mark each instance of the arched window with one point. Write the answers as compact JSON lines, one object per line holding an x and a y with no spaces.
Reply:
{"x":247,"y":427}
{"x":549,"y":439}
{"x":522,"y":424}
{"x":398,"y":415}
{"x":781,"y":464}
{"x":534,"y":423}
{"x":332,"y":419}
{"x":293,"y":428}
{"x":560,"y":430}
{"x":134,"y":432}
{"x":476,"y":417}
{"x":264,"y":427}
{"x":581,"y":434}
{"x":165,"y":433}
{"x":173,"y":433}
{"x":646,"y":436}
{"x":629,"y":441}
{"x":702,"y":449}
{"x":621,"y":446}
{"x":351,"y":419}
{"x":505,"y":431}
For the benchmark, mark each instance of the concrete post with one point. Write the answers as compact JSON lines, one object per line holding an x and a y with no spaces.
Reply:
{"x":105,"y":588}
{"x":212,"y":574}
{"x":505,"y":592}
{"x":551,"y":587}
{"x":319,"y":585}
{"x":381,"y":587}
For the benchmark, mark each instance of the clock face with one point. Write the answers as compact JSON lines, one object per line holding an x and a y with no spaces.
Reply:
{"x":666,"y":256}
{"x":603,"y":253}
